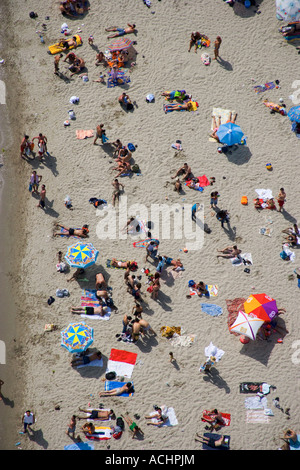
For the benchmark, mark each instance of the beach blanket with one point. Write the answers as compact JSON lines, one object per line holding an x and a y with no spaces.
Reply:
{"x":289,"y":252}
{"x":212,"y":309}
{"x":79,"y":446}
{"x":121,"y":362}
{"x":225,"y":115}
{"x":102,"y":433}
{"x":96,"y":363}
{"x":257,"y":416}
{"x":264,"y":194}
{"x":261,"y":88}
{"x":182,"y":340}
{"x":265,"y":231}
{"x":110,"y":385}
{"x":121,"y":79}
{"x":65,"y":233}
{"x":212,"y":350}
{"x":275,"y":107}
{"x":170,"y":413}
{"x":295,"y":445}
{"x":82,"y":134}
{"x":233,"y":307}
{"x":89,"y":299}
{"x":202,"y":181}
{"x":209,"y":419}
{"x":254,"y":387}
{"x":55,"y":48}
{"x":238,"y":260}
{"x":212,"y":289}
{"x":215,"y":437}
{"x":256,"y":403}
{"x":144,"y":243}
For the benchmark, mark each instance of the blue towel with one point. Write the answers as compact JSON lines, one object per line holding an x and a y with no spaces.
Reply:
{"x":79,"y":446}
{"x":215,"y":437}
{"x":211,"y":309}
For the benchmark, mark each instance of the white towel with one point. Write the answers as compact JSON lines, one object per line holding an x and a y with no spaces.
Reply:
{"x":264,"y":194}
{"x":289,"y":252}
{"x":106,"y":316}
{"x":238,"y":261}
{"x":256,"y":403}
{"x":168,"y":411}
{"x":212,"y":350}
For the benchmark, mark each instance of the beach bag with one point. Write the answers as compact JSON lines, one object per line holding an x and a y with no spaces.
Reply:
{"x":284,"y":256}
{"x":110,"y":375}
{"x":244,"y":200}
{"x":135,"y":168}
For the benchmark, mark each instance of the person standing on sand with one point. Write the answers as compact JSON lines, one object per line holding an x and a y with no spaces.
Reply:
{"x":42,"y":197}
{"x":117,"y":186}
{"x":56,"y":63}
{"x":218,"y":42}
{"x":100,"y":134}
{"x":281,"y":199}
{"x":1,"y":383}
{"x":72,"y":427}
{"x":27,"y":420}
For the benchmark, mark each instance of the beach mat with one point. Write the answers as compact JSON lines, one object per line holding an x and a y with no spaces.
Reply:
{"x":102,"y":433}
{"x":238,"y":261}
{"x":82,"y":134}
{"x":215,"y":437}
{"x":110,"y":385}
{"x":209,"y":419}
{"x":121,"y":362}
{"x":212,"y":309}
{"x":79,"y":446}
{"x":257,"y":417}
{"x":119,"y":82}
{"x":261,"y":88}
{"x":224,"y":113}
{"x":65,"y":233}
{"x":56,"y":49}
{"x":251,"y":387}
{"x":89,"y":299}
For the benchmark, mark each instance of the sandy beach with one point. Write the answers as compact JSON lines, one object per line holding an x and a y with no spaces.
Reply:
{"x":37,"y":373}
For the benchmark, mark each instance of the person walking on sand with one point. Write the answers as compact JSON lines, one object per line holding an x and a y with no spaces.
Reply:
{"x":42,"y":197}
{"x":117,"y":190}
{"x":56,"y":63}
{"x":1,"y":383}
{"x":27,"y":420}
{"x":100,"y":134}
{"x":121,"y":31}
{"x":218,"y":42}
{"x":34,"y":182}
{"x":72,"y":427}
{"x":281,"y":199}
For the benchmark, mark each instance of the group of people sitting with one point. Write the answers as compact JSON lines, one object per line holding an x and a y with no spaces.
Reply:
{"x":73,"y":7}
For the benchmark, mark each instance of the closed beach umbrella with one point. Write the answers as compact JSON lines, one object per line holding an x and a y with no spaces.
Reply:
{"x":246,"y":325}
{"x":262,"y":306}
{"x":120,"y":44}
{"x":77,"y":337}
{"x":294,"y":114}
{"x":81,"y":255}
{"x":288,"y":10}
{"x":230,"y":133}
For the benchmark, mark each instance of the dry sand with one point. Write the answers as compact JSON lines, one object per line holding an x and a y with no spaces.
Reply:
{"x":39,"y":102}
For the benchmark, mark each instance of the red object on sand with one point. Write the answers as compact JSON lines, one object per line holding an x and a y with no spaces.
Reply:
{"x":244,"y":339}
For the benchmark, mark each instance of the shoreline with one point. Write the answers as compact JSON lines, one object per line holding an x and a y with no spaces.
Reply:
{"x":38,"y":375}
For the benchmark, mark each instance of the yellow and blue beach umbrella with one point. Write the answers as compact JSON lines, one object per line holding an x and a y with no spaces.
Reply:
{"x":77,"y":337}
{"x":81,"y":255}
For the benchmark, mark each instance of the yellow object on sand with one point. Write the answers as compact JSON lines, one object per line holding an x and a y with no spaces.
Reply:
{"x":225,"y":115}
{"x":56,"y":48}
{"x":168,"y":331}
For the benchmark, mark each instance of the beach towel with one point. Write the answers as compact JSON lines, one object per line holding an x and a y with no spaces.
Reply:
{"x":121,"y":80}
{"x":265,"y":231}
{"x":121,"y":362}
{"x":109,"y":265}
{"x":79,"y":446}
{"x":212,"y":350}
{"x":215,"y":437}
{"x":256,"y":403}
{"x":289,"y":252}
{"x":295,"y":445}
{"x":212,"y":309}
{"x":257,"y":417}
{"x":209,"y":419}
{"x":96,"y":363}
{"x":144,"y":243}
{"x":275,"y":107}
{"x":102,"y":433}
{"x":89,"y":299}
{"x":212,"y":289}
{"x":55,"y":48}
{"x":202,"y":181}
{"x":264,"y":194}
{"x":110,"y":385}
{"x":182,"y":340}
{"x":238,"y":260}
{"x":261,"y":88}
{"x":170,"y":413}
{"x":82,"y":134}
{"x":225,"y":115}
{"x":255,"y":387}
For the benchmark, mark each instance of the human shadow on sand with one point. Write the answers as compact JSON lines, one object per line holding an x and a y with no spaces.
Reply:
{"x":38,"y":437}
{"x":91,"y":371}
{"x":243,"y":12}
{"x":213,"y":376}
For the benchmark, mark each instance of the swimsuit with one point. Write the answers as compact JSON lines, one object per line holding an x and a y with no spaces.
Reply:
{"x":89,"y":310}
{"x":86,"y":360}
{"x":132,"y":426}
{"x":94,"y":414}
{"x":121,"y":31}
{"x":71,"y":231}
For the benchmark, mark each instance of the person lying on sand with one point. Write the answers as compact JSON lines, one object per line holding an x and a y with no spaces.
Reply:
{"x":101,"y":310}
{"x":84,"y":360}
{"x":121,"y":31}
{"x":66,"y":44}
{"x":216,"y":419}
{"x":216,"y":126}
{"x":126,"y":388}
{"x":179,"y":107}
{"x":82,"y":232}
{"x":212,"y":442}
{"x":100,"y":282}
{"x":161,"y":418}
{"x":123,"y":168}
{"x":134,"y":428}
{"x":102,"y":415}
{"x":229,"y":252}
{"x":120,"y":264}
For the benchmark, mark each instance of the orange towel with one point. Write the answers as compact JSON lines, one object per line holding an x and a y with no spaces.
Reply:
{"x":81,"y":134}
